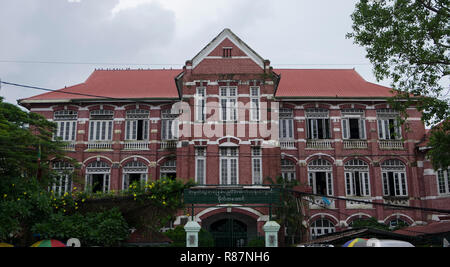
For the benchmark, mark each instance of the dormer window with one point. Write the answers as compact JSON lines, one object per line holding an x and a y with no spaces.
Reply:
{"x":227,"y":52}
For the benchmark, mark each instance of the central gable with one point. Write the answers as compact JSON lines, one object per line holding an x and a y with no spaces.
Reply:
{"x":227,"y":47}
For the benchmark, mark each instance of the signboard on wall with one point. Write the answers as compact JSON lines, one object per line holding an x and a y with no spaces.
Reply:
{"x":231,"y":196}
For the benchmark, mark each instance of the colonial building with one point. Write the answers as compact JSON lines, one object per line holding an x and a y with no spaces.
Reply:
{"x":228,"y":119}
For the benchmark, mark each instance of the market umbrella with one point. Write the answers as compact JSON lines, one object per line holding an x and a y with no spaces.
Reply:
{"x":49,"y":244}
{"x":5,"y":245}
{"x":357,"y":242}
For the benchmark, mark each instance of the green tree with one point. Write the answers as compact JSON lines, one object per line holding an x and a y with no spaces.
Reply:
{"x":289,"y":213}
{"x":439,"y":144}
{"x":25,"y":146}
{"x":408,"y":41}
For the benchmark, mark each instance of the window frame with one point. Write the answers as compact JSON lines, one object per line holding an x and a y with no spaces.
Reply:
{"x":443,"y":182}
{"x":257,"y":164}
{"x":230,"y":157}
{"x":200,"y":164}
{"x":229,"y":113}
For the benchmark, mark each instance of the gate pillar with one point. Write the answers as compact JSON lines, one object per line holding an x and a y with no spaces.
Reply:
{"x":192,"y":229}
{"x":271,"y":229}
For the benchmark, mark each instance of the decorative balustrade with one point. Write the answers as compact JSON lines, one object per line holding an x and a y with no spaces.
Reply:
{"x":391,"y":144}
{"x":171,"y":144}
{"x":136,"y":145}
{"x":286,"y":144}
{"x":69,"y":147}
{"x":320,"y":203}
{"x":355,"y":144}
{"x":358,"y":204}
{"x":99,"y":146}
{"x":399,"y":201}
{"x":318,"y":144}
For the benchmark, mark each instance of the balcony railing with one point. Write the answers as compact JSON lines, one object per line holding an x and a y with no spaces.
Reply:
{"x":136,"y":145}
{"x":99,"y":146}
{"x":69,"y":147}
{"x":355,"y":144}
{"x":318,"y":144}
{"x":359,"y":204}
{"x":287,"y":144}
{"x":391,"y":144}
{"x":398,"y":201}
{"x":319,"y":203}
{"x":169,"y":144}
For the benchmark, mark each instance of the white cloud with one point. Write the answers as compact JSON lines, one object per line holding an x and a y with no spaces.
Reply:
{"x":164,"y":32}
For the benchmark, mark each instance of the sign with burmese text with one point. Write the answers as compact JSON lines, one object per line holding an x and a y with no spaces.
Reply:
{"x":232,"y":196}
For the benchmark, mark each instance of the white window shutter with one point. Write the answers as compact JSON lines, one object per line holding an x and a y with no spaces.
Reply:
{"x":345,"y":129}
{"x":362,"y":129}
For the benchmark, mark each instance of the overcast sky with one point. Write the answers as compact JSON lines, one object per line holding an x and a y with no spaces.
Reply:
{"x":164,"y":34}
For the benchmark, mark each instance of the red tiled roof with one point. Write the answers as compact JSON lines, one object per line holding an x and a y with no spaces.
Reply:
{"x":122,"y":84}
{"x":432,"y":228}
{"x":342,"y":83}
{"x":160,"y":84}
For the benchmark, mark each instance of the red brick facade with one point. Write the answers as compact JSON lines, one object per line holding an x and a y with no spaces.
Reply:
{"x":415,"y":182}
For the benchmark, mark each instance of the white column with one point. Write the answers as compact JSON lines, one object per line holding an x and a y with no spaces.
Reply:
{"x":192,"y":228}
{"x":271,"y":229}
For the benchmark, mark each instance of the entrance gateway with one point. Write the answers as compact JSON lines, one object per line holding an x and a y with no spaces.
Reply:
{"x":231,"y":229}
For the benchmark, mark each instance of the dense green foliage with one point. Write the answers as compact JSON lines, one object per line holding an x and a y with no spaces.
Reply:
{"x":107,"y":228}
{"x":439,"y":144}
{"x":30,"y":211}
{"x":408,"y":42}
{"x":289,"y":213}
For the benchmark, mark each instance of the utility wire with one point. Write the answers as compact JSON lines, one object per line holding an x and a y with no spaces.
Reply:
{"x":159,"y":64}
{"x":372,"y":203}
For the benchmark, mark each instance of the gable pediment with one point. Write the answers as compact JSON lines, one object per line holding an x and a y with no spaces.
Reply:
{"x":227,"y":40}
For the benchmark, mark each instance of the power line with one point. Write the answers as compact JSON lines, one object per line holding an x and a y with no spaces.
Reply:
{"x":372,"y":203}
{"x":159,"y":64}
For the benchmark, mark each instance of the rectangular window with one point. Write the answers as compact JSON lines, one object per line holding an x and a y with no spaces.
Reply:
{"x":389,"y":129}
{"x":228,"y":103}
{"x":394,"y":184}
{"x":354,"y":128}
{"x":357,"y":184}
{"x":200,"y":104}
{"x":318,"y":129}
{"x":444,"y":181}
{"x":200,"y":166}
{"x":66,"y":130}
{"x":257,"y":166}
{"x":227,"y":52}
{"x":255,"y":103}
{"x":100,"y":131}
{"x":136,"y":130}
{"x":321,"y":183}
{"x":229,"y":167}
{"x":169,"y":129}
{"x":287,"y":129}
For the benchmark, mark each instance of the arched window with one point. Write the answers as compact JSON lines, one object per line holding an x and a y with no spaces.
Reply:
{"x":288,"y":169}
{"x":393,"y":173}
{"x":98,"y":177}
{"x":169,"y":169}
{"x":63,"y":172}
{"x":321,"y":227}
{"x":357,"y":181}
{"x":397,"y":223}
{"x":134,"y":171}
{"x":320,"y":176}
